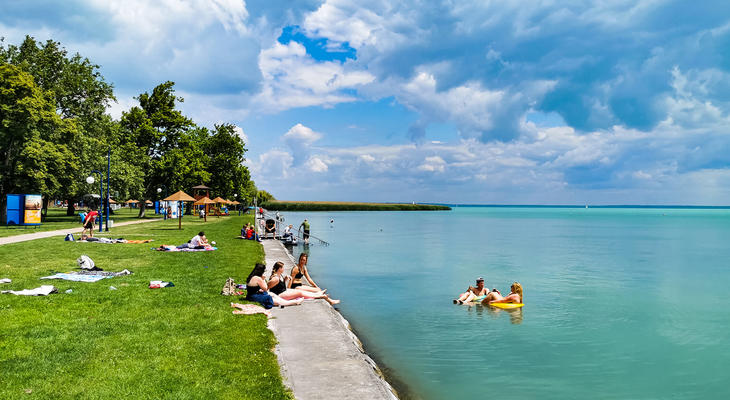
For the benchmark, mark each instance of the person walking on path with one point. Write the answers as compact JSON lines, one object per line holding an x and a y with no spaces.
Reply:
{"x":89,"y":222}
{"x":305,"y":235}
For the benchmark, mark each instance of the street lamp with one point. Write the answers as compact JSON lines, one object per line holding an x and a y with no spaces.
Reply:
{"x":90,"y":180}
{"x":164,"y":212}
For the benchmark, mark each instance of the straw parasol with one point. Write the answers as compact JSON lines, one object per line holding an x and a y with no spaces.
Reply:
{"x":179,"y":196}
{"x":204,"y":202}
{"x":131,"y":202}
{"x":111,"y":201}
{"x":220,"y":200}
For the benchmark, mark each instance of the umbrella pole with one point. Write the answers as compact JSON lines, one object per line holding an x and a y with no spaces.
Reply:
{"x":179,"y":216}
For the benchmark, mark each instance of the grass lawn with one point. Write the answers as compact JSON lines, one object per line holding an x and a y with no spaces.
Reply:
{"x":180,"y":342}
{"x":57,"y":219}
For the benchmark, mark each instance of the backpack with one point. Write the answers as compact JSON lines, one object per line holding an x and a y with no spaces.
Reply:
{"x":229,"y":288}
{"x":85,"y":262}
{"x":69,"y":237}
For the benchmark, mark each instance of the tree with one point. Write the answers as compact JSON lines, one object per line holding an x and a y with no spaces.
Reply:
{"x":161,"y":144}
{"x":78,"y":93}
{"x":263,"y":196}
{"x":33,"y":138}
{"x":226,"y":151}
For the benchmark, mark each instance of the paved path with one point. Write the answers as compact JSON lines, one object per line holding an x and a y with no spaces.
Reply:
{"x":63,"y":232}
{"x":320,"y":357}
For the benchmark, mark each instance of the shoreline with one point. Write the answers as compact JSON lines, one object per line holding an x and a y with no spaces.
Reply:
{"x":319,"y":354}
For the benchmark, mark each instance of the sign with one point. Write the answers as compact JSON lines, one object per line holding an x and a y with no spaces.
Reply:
{"x":14,"y":210}
{"x":33,"y":204}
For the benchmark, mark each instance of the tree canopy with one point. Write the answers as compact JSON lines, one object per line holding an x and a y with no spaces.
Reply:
{"x":54,"y":129}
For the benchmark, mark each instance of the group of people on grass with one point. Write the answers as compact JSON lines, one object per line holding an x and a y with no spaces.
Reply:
{"x":284,"y":290}
{"x":249,"y":232}
{"x":198,"y":242}
{"x":486,"y":296}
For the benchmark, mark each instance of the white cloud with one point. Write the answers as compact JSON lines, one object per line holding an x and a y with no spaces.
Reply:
{"x":239,"y":131}
{"x":315,"y":164}
{"x":433,"y":164}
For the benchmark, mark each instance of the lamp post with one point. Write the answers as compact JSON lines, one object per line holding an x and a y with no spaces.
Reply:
{"x":90,"y":180}
{"x":108,"y":170}
{"x":164,"y":212}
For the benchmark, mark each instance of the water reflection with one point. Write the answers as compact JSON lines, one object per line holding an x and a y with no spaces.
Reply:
{"x":515,"y":314}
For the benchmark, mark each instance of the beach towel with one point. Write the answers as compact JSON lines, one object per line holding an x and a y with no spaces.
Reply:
{"x":160,"y":284}
{"x":174,"y":249}
{"x":113,"y":241}
{"x":44,"y":290}
{"x":249,"y":309}
{"x":5,"y":280}
{"x":87,"y":276}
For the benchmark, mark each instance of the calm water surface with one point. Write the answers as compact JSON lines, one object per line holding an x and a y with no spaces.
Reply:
{"x":620,"y":303}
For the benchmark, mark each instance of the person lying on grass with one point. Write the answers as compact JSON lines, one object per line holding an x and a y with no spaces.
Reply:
{"x":472,"y":292}
{"x":258,"y":291}
{"x":300,"y":271}
{"x":277,"y":285}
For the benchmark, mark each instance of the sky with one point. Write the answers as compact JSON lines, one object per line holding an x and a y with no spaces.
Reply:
{"x":481,"y":102}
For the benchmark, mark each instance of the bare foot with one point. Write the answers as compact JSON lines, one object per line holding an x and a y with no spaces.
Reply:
{"x":300,"y":301}
{"x":332,"y":302}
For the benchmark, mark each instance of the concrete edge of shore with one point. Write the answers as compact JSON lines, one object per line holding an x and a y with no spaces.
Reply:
{"x":372,"y":387}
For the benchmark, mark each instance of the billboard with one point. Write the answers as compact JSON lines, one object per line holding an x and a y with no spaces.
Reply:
{"x":33,"y":204}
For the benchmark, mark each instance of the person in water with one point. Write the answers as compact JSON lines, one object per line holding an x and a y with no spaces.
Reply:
{"x":472,"y":292}
{"x":258,"y":291}
{"x":515,"y":296}
{"x":277,"y":285}
{"x":300,"y":271}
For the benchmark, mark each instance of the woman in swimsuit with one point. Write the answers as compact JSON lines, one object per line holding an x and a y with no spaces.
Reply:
{"x":515,"y":295}
{"x":299,"y":271}
{"x":258,"y":291}
{"x":277,"y":286}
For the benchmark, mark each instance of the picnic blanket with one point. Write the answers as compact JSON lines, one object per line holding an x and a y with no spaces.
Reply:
{"x":87,"y":276}
{"x":173,"y":249}
{"x":107,"y":240}
{"x":44,"y":290}
{"x":5,"y":280}
{"x":249,"y":309}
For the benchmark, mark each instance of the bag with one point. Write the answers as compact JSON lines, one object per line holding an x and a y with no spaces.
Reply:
{"x":229,"y":288}
{"x":69,"y":237}
{"x":85,"y":262}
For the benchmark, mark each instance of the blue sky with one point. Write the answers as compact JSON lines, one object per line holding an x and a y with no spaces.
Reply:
{"x":506,"y":102}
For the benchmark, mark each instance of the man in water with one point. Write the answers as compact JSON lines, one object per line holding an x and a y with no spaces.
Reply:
{"x":305,"y":235}
{"x":472,"y":292}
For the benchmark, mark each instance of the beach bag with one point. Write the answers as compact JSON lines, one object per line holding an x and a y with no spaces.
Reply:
{"x":85,"y":262}
{"x":229,"y":288}
{"x":69,"y":237}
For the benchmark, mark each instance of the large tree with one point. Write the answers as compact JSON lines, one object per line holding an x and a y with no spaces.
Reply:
{"x":78,"y":93}
{"x":33,"y":138}
{"x":226,"y":150}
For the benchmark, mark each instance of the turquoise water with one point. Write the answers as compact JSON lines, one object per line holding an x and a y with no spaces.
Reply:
{"x":620,"y":303}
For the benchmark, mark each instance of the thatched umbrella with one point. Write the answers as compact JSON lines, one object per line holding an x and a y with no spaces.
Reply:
{"x":220,"y":200}
{"x":235,"y":203}
{"x":179,"y":196}
{"x":204,"y":202}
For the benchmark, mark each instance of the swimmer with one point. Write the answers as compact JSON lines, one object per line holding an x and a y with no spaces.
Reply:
{"x":515,"y":296}
{"x":472,"y":292}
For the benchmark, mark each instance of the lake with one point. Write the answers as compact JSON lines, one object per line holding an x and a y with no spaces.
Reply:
{"x":619,"y":302}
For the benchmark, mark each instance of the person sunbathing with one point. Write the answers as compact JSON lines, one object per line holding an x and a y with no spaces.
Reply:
{"x":258,"y":291}
{"x":472,"y":292}
{"x":277,"y":285}
{"x":515,"y":295}
{"x":300,"y":271}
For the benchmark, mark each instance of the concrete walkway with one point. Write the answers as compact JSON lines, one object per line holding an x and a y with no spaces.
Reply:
{"x":320,"y":357}
{"x":63,"y":232}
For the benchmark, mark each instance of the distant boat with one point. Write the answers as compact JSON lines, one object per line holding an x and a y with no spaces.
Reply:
{"x":586,"y":205}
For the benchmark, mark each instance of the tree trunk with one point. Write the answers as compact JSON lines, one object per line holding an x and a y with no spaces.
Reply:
{"x":70,"y":210}
{"x":3,"y":209}
{"x":142,"y":207}
{"x":44,"y":211}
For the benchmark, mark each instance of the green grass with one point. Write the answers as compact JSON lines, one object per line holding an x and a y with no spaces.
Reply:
{"x":134,"y":342}
{"x":57,"y":219}
{"x":348,"y":206}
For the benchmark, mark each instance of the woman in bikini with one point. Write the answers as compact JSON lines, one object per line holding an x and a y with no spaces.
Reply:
{"x":300,"y":271}
{"x":258,"y":291}
{"x":515,"y":295}
{"x":277,"y":286}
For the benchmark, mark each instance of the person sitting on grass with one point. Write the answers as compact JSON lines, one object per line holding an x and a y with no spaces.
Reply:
{"x":199,"y":241}
{"x":258,"y":291}
{"x":277,"y":285}
{"x":300,"y":271}
{"x":515,"y":295}
{"x":472,"y":292}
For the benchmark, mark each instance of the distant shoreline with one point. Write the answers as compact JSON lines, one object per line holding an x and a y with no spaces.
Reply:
{"x":652,"y":206}
{"x":349,"y":206}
